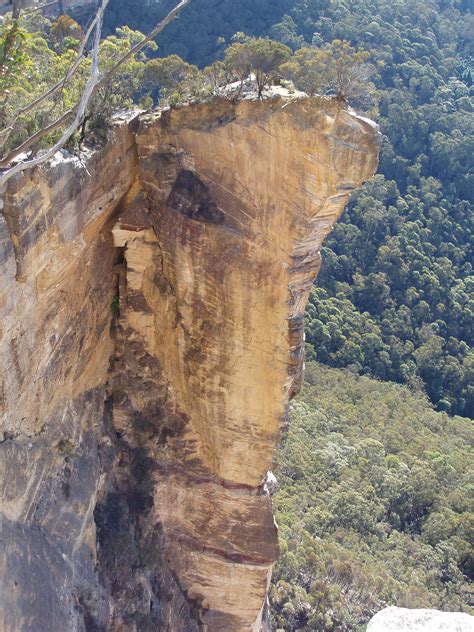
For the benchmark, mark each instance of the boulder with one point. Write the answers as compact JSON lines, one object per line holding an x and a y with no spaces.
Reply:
{"x":395,"y":619}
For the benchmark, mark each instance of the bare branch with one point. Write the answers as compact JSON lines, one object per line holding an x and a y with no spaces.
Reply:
{"x":62,"y":82}
{"x":140,"y":45}
{"x":5,"y":133}
{"x":37,"y":136}
{"x":29,"y":142}
{"x":89,"y":90}
{"x":40,"y":8}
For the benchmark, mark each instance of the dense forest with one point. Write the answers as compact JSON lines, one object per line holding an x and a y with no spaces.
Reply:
{"x":373,"y":507}
{"x":374,"y":492}
{"x":395,"y":292}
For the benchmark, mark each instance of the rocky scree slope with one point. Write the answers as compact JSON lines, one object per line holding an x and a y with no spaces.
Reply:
{"x":150,"y":345}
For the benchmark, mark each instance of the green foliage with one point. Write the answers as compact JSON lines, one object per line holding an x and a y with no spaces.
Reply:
{"x":45,"y":51}
{"x":286,"y":32}
{"x":201,"y":32}
{"x":169,"y":71}
{"x":401,"y":255}
{"x":12,"y":56}
{"x":41,"y":67}
{"x":115,"y":305}
{"x":125,"y":87}
{"x":307,"y":69}
{"x":397,"y":299}
{"x":174,"y":80}
{"x":338,"y":68}
{"x":374,"y":505}
{"x":66,"y":33}
{"x":261,"y":57}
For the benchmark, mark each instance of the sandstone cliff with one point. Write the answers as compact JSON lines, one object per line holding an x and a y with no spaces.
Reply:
{"x":149,"y":349}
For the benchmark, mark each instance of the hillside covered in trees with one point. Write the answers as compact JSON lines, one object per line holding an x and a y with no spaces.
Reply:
{"x":373,"y":506}
{"x":395,"y":293}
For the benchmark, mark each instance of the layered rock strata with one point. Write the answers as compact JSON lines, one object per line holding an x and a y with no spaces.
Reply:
{"x":150,"y":356}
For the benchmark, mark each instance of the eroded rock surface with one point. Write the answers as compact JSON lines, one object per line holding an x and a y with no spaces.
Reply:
{"x":149,"y":356}
{"x":395,"y":619}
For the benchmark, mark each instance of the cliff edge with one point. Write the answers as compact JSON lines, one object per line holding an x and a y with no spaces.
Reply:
{"x":149,"y":357}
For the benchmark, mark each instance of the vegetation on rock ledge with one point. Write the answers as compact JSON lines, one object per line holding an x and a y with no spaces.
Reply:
{"x":35,"y":52}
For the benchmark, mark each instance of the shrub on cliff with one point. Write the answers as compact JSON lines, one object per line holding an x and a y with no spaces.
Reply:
{"x":42,"y":52}
{"x":337,"y":68}
{"x":172,"y":80}
{"x":12,"y":55}
{"x":260,"y":57}
{"x":66,"y":33}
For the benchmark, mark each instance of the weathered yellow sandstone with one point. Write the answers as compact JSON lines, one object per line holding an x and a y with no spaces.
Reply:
{"x":206,"y":223}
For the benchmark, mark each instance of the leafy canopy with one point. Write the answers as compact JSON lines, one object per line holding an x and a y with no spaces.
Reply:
{"x":374,"y":505}
{"x":337,"y":68}
{"x":259,"y":56}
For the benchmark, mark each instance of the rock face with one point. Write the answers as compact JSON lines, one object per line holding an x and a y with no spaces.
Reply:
{"x":149,"y":356}
{"x":395,"y":619}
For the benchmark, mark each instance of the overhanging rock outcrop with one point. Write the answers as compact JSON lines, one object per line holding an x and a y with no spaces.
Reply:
{"x":201,"y":226}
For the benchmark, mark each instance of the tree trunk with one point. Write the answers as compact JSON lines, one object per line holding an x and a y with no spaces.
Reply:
{"x":16,"y":10}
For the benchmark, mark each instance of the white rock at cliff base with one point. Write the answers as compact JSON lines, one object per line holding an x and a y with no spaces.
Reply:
{"x":395,"y":619}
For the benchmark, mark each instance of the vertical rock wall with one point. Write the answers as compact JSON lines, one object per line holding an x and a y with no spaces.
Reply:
{"x":150,"y":356}
{"x":221,"y":247}
{"x":55,"y":347}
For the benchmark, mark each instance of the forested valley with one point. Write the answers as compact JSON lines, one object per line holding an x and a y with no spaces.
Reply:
{"x":374,"y":502}
{"x":374,"y":506}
